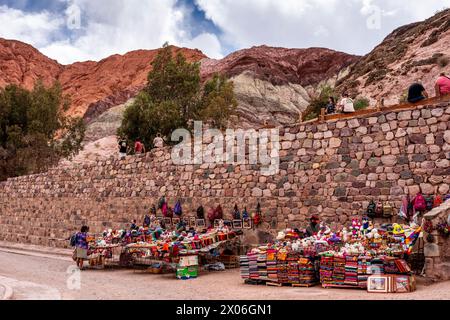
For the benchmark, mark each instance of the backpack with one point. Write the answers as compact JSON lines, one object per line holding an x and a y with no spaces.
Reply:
{"x":419,"y":203}
{"x":388,"y":210}
{"x":178,"y":211}
{"x":161,"y":202}
{"x":371,"y":209}
{"x":429,"y":202}
{"x":245,"y":214}
{"x":73,"y":240}
{"x":165,"y":211}
{"x":218,"y":213}
{"x":437,"y":201}
{"x":379,"y":209}
{"x":147,"y":221}
{"x":236,"y":213}
{"x":257,"y":216}
{"x":200,"y":212}
{"x":211,"y":215}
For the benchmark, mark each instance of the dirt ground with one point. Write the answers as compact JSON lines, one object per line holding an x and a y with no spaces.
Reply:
{"x":46,"y":277}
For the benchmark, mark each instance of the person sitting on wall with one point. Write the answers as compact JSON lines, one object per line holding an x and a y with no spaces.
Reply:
{"x":139,"y":147}
{"x":442,"y":85}
{"x":417,"y":92}
{"x":331,"y":106}
{"x":346,"y":105}
{"x":314,"y":226}
{"x":158,"y":142}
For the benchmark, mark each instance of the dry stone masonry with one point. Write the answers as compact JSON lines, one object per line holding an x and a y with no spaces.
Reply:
{"x":332,"y":169}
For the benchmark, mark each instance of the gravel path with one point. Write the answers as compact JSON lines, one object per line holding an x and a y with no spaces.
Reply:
{"x":55,"y":277}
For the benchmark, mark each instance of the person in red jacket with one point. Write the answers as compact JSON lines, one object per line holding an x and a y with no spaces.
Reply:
{"x":139,"y":147}
{"x":442,"y":85}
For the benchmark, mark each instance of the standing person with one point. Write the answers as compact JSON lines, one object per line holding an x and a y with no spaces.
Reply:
{"x":123,"y":148}
{"x":442,"y":85}
{"x":158,"y":142}
{"x":82,"y":246}
{"x":331,"y":106}
{"x":417,"y":92}
{"x":346,"y":104}
{"x":314,"y":226}
{"x":139,"y":147}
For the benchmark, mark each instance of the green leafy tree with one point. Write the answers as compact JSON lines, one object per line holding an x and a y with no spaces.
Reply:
{"x":174,"y":97}
{"x":219,"y":102}
{"x":34,"y":131}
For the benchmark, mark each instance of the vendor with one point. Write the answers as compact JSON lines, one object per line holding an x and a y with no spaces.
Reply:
{"x":82,"y":246}
{"x":134,"y":226}
{"x":314,"y":226}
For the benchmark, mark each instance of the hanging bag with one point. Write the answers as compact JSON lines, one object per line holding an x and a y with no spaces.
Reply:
{"x":429,"y":203}
{"x":371,"y":209}
{"x":419,"y":203}
{"x":178,"y":210}
{"x":200,"y":212}
{"x":388,"y":210}
{"x":437,"y":201}
{"x":379,"y":210}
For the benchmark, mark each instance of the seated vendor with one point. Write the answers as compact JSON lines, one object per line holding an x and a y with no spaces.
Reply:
{"x":314,"y":226}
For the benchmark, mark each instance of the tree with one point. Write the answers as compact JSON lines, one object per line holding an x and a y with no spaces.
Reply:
{"x":34,"y":132}
{"x":174,"y":97}
{"x":218,"y":102}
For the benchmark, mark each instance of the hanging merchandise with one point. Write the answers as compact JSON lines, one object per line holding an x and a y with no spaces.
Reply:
{"x":218,"y":213}
{"x":236,"y":213}
{"x":371,"y":209}
{"x":379,"y":210}
{"x":177,"y":210}
{"x":257,"y":217}
{"x":429,"y":203}
{"x":419,"y":203}
{"x":200,"y":213}
{"x":388,"y":210}
{"x":245,"y":214}
{"x":437,"y":201}
{"x":161,"y":202}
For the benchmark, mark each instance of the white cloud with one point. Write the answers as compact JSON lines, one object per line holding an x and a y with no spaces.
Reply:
{"x":108,"y":27}
{"x":118,"y":26}
{"x":33,"y":28}
{"x":341,"y":25}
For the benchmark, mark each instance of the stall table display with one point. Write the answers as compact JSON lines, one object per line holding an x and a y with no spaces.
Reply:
{"x":339,"y":260}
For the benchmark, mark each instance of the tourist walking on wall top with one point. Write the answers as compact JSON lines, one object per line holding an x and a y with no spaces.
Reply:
{"x":442,"y":85}
{"x":81,"y":246}
{"x":123,"y":148}
{"x":158,"y":142}
{"x":139,"y":147}
{"x":346,"y":104}
{"x":417,"y":92}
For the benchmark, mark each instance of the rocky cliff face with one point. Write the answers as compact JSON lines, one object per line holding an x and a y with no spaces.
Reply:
{"x":271,"y":84}
{"x":416,"y":51}
{"x":93,"y":87}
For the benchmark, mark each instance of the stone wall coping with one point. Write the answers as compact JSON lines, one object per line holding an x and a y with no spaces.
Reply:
{"x":444,"y":208}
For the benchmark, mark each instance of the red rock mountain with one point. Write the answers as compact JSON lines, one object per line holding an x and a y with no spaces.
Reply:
{"x":95,"y":87}
{"x":92,"y":86}
{"x":418,"y":51}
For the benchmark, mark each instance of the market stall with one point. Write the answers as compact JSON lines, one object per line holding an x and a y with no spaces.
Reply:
{"x":359,"y":257}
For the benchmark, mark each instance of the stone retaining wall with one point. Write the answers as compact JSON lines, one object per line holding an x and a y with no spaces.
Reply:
{"x":437,"y":249}
{"x":332,"y":169}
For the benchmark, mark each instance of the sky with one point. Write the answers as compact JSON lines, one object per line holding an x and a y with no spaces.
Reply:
{"x":80,"y":30}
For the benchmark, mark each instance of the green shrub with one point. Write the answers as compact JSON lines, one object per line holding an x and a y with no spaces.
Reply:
{"x":361,"y":103}
{"x":319,"y":102}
